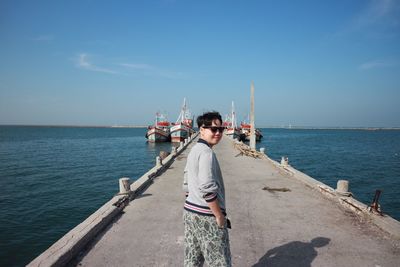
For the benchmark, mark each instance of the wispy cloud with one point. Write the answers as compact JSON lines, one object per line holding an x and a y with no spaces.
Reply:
{"x":43,"y":38}
{"x":377,"y":11}
{"x":149,"y":70}
{"x":84,"y":63}
{"x":378,"y":18}
{"x":136,"y":66}
{"x":376,"y":64}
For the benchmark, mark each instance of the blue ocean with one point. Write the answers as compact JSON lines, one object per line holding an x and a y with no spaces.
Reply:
{"x":52,"y":178}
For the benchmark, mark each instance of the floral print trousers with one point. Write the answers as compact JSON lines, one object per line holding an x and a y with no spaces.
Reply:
{"x":205,"y":241}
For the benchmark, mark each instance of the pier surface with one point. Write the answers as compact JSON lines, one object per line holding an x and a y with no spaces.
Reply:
{"x":289,"y":225}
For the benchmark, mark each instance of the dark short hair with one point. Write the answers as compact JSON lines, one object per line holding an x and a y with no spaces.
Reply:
{"x":207,"y":118}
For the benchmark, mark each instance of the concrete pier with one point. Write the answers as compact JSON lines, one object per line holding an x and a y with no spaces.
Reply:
{"x":280,"y":217}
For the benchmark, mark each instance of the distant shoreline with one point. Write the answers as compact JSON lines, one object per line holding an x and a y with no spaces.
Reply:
{"x":332,"y":128}
{"x":72,"y":126}
{"x":263,"y":127}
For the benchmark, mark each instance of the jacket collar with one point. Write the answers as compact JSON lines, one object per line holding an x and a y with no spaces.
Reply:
{"x":202,"y":141}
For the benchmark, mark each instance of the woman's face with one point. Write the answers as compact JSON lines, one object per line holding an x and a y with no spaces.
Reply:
{"x":212,"y":134}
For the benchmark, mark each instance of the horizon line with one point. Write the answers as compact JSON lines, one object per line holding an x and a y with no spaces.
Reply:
{"x":265,"y":126}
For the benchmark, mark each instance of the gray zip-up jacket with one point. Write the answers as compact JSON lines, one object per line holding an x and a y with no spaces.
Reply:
{"x":203,"y":180}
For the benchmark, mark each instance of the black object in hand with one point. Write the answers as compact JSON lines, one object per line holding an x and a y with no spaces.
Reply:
{"x":228,"y":224}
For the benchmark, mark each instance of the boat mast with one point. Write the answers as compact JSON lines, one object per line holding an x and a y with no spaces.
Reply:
{"x":156,"y":122}
{"x":233,"y":116}
{"x":182,"y":115}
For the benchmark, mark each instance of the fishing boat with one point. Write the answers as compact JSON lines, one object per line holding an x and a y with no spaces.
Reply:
{"x":230,"y":124}
{"x":183,"y":127}
{"x":160,"y":131}
{"x":245,"y":132}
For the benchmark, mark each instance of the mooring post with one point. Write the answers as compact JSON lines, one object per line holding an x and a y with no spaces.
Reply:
{"x":124,"y":185}
{"x":284,"y":161}
{"x":158,"y":161}
{"x":262,"y":150}
{"x":342,"y":188}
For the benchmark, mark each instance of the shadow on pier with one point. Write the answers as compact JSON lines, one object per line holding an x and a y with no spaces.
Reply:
{"x":295,"y":253}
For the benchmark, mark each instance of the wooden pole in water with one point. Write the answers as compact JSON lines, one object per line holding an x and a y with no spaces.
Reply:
{"x":252,"y":129}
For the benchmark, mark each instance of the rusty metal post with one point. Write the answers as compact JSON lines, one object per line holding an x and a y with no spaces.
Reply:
{"x":375,"y":202}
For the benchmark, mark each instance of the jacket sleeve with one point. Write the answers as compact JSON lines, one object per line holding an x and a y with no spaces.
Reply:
{"x":207,"y":185}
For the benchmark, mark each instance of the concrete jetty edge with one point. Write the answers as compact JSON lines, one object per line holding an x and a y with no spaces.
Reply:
{"x":73,"y":242}
{"x":386,"y":223}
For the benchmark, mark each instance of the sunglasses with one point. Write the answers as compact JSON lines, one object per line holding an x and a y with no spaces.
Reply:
{"x":215,"y":129}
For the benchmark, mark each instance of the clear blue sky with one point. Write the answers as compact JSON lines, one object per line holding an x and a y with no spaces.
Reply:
{"x":314,"y":63}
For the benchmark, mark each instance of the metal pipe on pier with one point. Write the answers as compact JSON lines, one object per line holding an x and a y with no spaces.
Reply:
{"x":252,"y":125}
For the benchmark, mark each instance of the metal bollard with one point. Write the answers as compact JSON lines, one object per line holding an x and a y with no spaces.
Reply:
{"x":124,"y":187}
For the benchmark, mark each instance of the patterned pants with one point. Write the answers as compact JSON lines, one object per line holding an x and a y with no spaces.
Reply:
{"x":205,"y":241}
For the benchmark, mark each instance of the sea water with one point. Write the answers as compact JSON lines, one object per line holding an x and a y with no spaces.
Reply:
{"x":52,"y":178}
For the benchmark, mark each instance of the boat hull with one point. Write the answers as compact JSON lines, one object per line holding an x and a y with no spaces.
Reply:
{"x":155,"y":135}
{"x":258,"y":137}
{"x":180,"y":132}
{"x":245,"y":135}
{"x":233,"y":133}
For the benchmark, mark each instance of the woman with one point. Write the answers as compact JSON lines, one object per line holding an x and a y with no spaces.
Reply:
{"x":206,"y":233}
